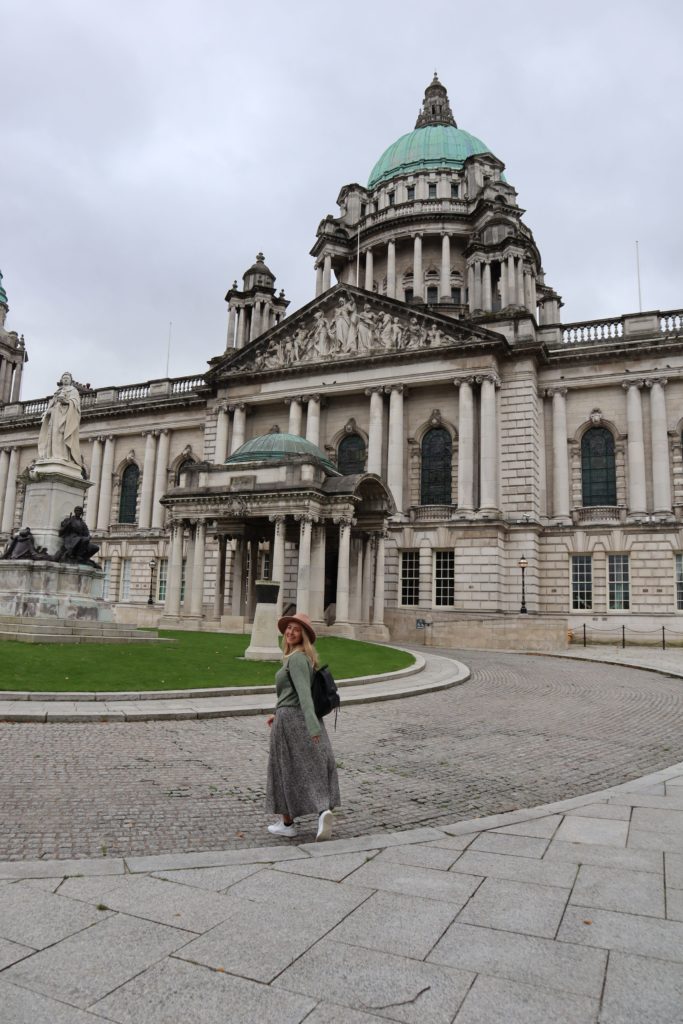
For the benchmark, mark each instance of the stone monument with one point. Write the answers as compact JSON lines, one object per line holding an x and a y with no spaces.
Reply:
{"x":264,"y":644}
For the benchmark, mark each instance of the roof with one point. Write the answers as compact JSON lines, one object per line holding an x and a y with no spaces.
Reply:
{"x":433,"y":147}
{"x":277,"y":447}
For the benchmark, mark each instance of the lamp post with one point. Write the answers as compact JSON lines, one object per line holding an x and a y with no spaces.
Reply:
{"x":152,"y":567}
{"x":522,"y":563}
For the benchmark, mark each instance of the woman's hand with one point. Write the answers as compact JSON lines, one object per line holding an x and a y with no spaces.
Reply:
{"x":269,"y":720}
{"x":316,"y":739}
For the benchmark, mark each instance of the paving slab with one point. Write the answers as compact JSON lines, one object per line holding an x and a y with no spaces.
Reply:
{"x":334,"y":869}
{"x":19,"y":1006}
{"x":392,"y":987}
{"x":498,"y":1001}
{"x":542,"y":828}
{"x":420,"y":856}
{"x":618,"y":809}
{"x":674,"y":904}
{"x":513,"y":846}
{"x":415,"y":881}
{"x":593,"y":830}
{"x":10,"y":952}
{"x":177,"y":991}
{"x":644,"y":839}
{"x":642,"y":990}
{"x":88,"y":965}
{"x":214,"y":858}
{"x":669,"y":821}
{"x":516,"y":907}
{"x":92,"y":889}
{"x":535,"y":961}
{"x":395,"y":923}
{"x":454,"y":842}
{"x":317,"y":895}
{"x":372,"y":842}
{"x":628,"y":933}
{"x":212,"y":879}
{"x":61,"y":868}
{"x":668,"y":802}
{"x":516,"y":869}
{"x":674,"y":870}
{"x":605,"y":856}
{"x":328,"y":1013}
{"x":633,"y":892}
{"x":38,"y":919}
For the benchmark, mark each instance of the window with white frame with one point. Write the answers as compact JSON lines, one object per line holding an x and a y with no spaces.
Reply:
{"x":410,"y":577}
{"x":265,"y":565}
{"x":679,"y":583}
{"x":124,"y":586}
{"x":106,"y":579}
{"x":618,"y":583}
{"x":444,"y":578}
{"x":162,"y":579}
{"x":582,"y":583}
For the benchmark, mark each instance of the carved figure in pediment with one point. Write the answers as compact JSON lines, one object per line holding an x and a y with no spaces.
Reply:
{"x":299,"y":345}
{"x":434,"y":336}
{"x":415,"y":334}
{"x":367,"y":334}
{"x":321,"y":337}
{"x":385,"y":330}
{"x":397,"y":334}
{"x":346,"y":325}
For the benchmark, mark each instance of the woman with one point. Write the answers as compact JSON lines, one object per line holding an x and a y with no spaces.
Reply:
{"x":302,"y":774}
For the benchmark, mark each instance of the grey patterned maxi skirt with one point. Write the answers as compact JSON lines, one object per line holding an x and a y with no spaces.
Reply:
{"x":302,"y":775}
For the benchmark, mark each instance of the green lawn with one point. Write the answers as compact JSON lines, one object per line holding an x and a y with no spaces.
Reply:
{"x":197,"y":659}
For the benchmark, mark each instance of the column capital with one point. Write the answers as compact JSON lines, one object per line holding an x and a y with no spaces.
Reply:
{"x":632,"y":382}
{"x":375,"y":389}
{"x":401,"y":388}
{"x":416,"y":234}
{"x":222,"y":406}
{"x":378,"y":535}
{"x":492,"y":378}
{"x":305,"y":518}
{"x":549,"y":392}
{"x":242,"y":406}
{"x":662,"y":381}
{"x":277,"y":519}
{"x":344,"y":521}
{"x":458,"y":381}
{"x":293,"y":398}
{"x":311,"y":398}
{"x":148,"y":433}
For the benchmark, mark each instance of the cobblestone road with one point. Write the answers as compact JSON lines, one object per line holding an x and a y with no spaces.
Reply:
{"x":523,"y":731}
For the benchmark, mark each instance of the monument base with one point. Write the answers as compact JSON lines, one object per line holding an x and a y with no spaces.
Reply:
{"x":264,"y":632}
{"x":50,"y":498}
{"x":39,"y":590}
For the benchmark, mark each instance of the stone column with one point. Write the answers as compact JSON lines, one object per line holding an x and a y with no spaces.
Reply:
{"x":104,"y":506}
{"x":418,"y":276}
{"x":395,"y":449}
{"x":527,"y":291}
{"x":487,"y":297}
{"x":317,"y":588}
{"x":278,"y":549}
{"x":230,"y":341}
{"x":16,"y":387}
{"x":239,"y":425}
{"x":426,"y":571}
{"x":313,"y":419}
{"x":378,"y":604}
{"x":375,"y":430}
{"x":520,"y":281}
{"x":160,"y":478}
{"x":343,"y":570}
{"x":175,"y":570}
{"x":219,"y":593}
{"x":295,"y":415}
{"x":222,"y":424}
{"x":189,"y":568}
{"x":10,"y":491}
{"x":511,"y":281}
{"x":445,"y":281}
{"x":327,"y":272}
{"x":3,"y":377}
{"x":94,"y":492}
{"x":534,"y":298}
{"x":470,"y":287}
{"x":303,"y":585}
{"x":560,"y":454}
{"x":465,"y":445}
{"x":504,"y":296}
{"x":369,"y":270}
{"x":488,"y":445}
{"x":197,"y":602}
{"x":4,"y":468}
{"x":241,"y":327}
{"x":147,"y":491}
{"x":255,"y":327}
{"x":251,"y":579}
{"x":356,"y":597}
{"x":635,"y":448}
{"x":318,"y":278}
{"x":661,"y":473}
{"x":391,"y":269}
{"x":368,"y":579}
{"x":237,"y":576}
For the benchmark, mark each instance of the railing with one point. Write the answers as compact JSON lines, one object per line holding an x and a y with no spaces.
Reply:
{"x":594,"y":330}
{"x":132,"y":392}
{"x":185,"y":384}
{"x":671,"y":322}
{"x":32,"y":408}
{"x":431,"y":513}
{"x":660,"y":636}
{"x":598,"y":514}
{"x":88,"y":398}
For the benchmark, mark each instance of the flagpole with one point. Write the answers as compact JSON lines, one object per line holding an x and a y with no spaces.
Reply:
{"x":640,"y":298}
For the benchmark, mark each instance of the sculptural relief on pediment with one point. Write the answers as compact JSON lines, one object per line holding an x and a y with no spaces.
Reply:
{"x":349,"y":327}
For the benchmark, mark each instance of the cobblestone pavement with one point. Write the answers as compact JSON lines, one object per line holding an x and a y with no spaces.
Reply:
{"x":523,"y":731}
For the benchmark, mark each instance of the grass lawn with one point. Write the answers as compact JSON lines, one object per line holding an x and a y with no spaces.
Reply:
{"x":197,"y":659}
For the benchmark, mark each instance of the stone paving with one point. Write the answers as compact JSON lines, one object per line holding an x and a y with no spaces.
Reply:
{"x":570,"y":913}
{"x":522,"y":731}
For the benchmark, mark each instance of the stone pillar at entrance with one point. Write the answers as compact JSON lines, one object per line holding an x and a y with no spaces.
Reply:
{"x":197,"y":603}
{"x":175,"y":571}
{"x":238,"y":576}
{"x":219,"y":593}
{"x":368,"y":579}
{"x":378,"y":607}
{"x":343,"y":572}
{"x":278,"y":549}
{"x":251,"y":580}
{"x":303,"y":586}
{"x":317,"y":580}
{"x":375,"y":430}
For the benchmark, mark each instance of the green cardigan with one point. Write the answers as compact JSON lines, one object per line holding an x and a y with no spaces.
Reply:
{"x":297,"y":670}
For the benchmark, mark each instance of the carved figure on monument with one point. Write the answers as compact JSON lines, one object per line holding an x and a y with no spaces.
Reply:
{"x":366,"y":330}
{"x":322,"y":340}
{"x":415,"y":335}
{"x":23,"y":545}
{"x":396,"y":333}
{"x":76,"y":544}
{"x":386,"y":330}
{"x":58,"y":438}
{"x":434,"y":335}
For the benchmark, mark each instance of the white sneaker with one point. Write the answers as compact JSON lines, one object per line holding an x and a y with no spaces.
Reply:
{"x":280,"y":829}
{"x":325,"y":822}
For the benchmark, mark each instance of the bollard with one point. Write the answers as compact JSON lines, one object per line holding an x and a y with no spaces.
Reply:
{"x":584,"y":634}
{"x":623,"y":636}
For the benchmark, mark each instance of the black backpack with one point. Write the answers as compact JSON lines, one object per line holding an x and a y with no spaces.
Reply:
{"x":325,"y":693}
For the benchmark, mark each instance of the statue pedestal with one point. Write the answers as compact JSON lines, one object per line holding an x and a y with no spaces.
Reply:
{"x":52,"y":493}
{"x":264,"y":633}
{"x":39,"y":590}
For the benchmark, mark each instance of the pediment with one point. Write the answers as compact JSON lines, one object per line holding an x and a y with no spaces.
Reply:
{"x":347,"y":325}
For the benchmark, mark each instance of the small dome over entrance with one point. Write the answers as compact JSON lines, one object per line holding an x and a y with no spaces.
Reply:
{"x":272,"y":448}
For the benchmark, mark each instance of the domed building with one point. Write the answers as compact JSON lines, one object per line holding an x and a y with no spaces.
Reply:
{"x":424,"y":451}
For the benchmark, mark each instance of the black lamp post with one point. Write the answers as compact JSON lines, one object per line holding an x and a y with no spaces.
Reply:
{"x":522,"y":563}
{"x":152,"y":567}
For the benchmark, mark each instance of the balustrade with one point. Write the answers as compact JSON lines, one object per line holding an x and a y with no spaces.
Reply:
{"x":594,"y":330}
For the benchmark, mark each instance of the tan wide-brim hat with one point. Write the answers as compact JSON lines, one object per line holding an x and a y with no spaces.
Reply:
{"x":302,"y":620}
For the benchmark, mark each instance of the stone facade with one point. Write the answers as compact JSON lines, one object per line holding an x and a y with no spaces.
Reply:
{"x":434,"y":351}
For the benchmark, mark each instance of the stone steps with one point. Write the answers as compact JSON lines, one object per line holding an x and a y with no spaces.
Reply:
{"x":14,"y":627}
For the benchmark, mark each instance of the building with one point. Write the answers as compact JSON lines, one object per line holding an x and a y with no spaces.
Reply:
{"x":392,"y":449}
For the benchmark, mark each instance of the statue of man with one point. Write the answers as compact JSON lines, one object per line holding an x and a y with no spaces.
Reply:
{"x":23,"y":546}
{"x":58,"y":438}
{"x":76,"y":544}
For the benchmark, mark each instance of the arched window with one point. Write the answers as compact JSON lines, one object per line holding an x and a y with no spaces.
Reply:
{"x":181,"y":468}
{"x":129,"y":493}
{"x":598,"y":473}
{"x":351,"y":455}
{"x":435,"y":483}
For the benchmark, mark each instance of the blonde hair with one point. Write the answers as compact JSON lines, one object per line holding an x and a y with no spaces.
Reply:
{"x":306,"y":646}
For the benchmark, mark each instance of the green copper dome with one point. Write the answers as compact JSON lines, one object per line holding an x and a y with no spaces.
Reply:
{"x":269,"y":448}
{"x":434,"y":147}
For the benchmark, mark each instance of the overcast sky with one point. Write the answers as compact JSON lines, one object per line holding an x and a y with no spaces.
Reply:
{"x":151,"y":147}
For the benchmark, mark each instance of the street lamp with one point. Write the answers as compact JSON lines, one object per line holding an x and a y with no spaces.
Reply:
{"x":152,"y":567}
{"x":522,"y":563}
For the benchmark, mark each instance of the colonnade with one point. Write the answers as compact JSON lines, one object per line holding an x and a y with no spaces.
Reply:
{"x":98,"y":510}
{"x":248,"y":320}
{"x":9,"y":467}
{"x":11,"y":370}
{"x":516,"y":283}
{"x":635,"y":449}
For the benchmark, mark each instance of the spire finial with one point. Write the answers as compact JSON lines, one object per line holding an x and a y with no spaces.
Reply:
{"x":435,"y":107}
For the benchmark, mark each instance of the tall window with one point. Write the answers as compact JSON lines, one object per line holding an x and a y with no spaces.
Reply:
{"x":456,"y":295}
{"x":181,"y":469}
{"x":129,"y":493}
{"x":435,"y":482}
{"x":391,"y":196}
{"x":410,"y":193}
{"x":455,"y":190}
{"x":679,"y":582}
{"x":598,"y":474}
{"x":351,"y":455}
{"x":124,"y":586}
{"x":444,"y":578}
{"x":582,"y":582}
{"x":265,"y":565}
{"x":162,"y":579}
{"x":619,"y":589}
{"x":432,"y":293}
{"x":410,"y":577}
{"x":432,"y":190}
